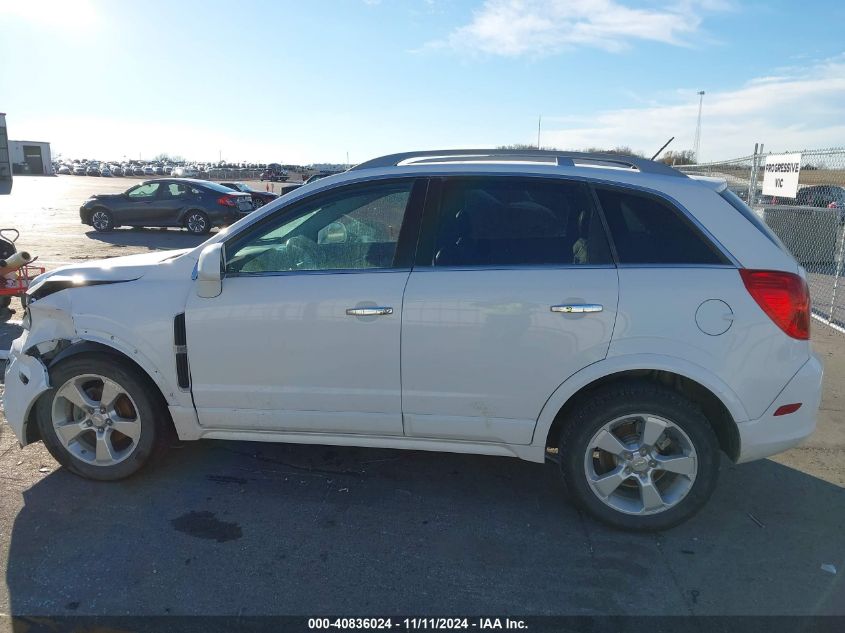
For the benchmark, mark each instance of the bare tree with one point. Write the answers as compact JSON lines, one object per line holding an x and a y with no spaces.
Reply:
{"x":680,"y":157}
{"x":518,"y":146}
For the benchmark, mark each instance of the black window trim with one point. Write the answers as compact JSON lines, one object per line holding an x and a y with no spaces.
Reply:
{"x":728,"y":260}
{"x":431,"y":221}
{"x":406,"y":243}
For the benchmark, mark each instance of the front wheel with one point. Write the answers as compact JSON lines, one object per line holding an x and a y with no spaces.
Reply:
{"x":639,"y":457}
{"x":102,"y":220}
{"x":101,"y":420}
{"x":197,"y":223}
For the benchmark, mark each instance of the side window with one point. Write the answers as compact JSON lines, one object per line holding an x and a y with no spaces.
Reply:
{"x":144,"y":191}
{"x":175,"y":190}
{"x":646,"y":230}
{"x":518,"y":222}
{"x":357,"y":228}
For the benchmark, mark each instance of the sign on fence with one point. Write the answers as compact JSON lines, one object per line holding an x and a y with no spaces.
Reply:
{"x":781,"y":176}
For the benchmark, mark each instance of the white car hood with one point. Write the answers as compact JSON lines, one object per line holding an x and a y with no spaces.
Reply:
{"x":109,"y":270}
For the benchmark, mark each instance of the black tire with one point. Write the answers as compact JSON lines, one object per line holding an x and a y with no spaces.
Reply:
{"x":197,"y":222}
{"x":5,"y":302}
{"x":611,"y":403}
{"x":102,"y":220}
{"x":154,"y":420}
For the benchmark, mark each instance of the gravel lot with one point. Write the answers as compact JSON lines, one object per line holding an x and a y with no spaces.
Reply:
{"x":246,"y":528}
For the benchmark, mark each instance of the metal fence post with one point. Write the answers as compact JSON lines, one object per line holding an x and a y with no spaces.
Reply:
{"x":837,"y":274}
{"x":752,"y":178}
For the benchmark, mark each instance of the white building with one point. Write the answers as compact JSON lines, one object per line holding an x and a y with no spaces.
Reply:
{"x":31,"y":157}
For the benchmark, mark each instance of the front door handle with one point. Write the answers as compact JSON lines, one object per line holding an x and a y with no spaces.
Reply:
{"x":578,"y":308}
{"x":380,"y":311}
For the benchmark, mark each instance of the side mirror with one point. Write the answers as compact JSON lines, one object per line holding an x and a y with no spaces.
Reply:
{"x":210,"y":271}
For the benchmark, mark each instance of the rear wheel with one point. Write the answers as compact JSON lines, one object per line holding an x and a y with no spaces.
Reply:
{"x":197,"y":223}
{"x":101,"y":420}
{"x":639,"y":457}
{"x":102,"y":220}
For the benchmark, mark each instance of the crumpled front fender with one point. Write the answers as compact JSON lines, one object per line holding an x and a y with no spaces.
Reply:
{"x":26,"y":374}
{"x":26,"y":380}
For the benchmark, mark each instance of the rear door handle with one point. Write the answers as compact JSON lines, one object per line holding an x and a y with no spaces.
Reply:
{"x":578,"y":308}
{"x":379,"y":311}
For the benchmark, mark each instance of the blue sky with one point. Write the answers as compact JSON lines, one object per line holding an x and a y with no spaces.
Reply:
{"x":310,"y":81}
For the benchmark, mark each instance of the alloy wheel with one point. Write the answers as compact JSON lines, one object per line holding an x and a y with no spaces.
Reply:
{"x":96,"y":420}
{"x":100,"y":220}
{"x":640,"y":464}
{"x":196,"y":223}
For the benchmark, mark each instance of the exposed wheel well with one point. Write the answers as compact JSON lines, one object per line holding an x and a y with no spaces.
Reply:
{"x":714,"y":410}
{"x":90,"y":347}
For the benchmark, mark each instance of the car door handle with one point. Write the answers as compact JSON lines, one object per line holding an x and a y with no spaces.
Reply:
{"x":379,"y":311}
{"x":578,"y":308}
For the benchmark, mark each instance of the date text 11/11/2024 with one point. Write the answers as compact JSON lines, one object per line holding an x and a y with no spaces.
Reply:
{"x":417,"y":623}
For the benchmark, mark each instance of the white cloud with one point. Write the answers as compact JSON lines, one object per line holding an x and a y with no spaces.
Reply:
{"x":540,"y":27}
{"x":798,"y":108}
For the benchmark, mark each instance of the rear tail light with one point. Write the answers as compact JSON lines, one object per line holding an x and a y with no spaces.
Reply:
{"x":783,"y":296}
{"x":227,"y":201}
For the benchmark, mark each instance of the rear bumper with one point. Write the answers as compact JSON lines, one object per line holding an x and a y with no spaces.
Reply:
{"x":770,"y":434}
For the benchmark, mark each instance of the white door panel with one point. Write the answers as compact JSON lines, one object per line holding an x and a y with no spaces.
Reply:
{"x":482,"y":350}
{"x":280,"y":351}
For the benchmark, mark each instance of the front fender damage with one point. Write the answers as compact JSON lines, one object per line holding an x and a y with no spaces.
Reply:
{"x":26,"y":380}
{"x":26,"y":372}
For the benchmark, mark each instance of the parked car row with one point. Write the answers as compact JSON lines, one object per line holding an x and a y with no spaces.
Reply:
{"x":114,"y":169}
{"x":273,"y":172}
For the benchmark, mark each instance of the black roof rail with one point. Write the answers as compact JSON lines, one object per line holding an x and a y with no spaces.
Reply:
{"x":567,"y":159}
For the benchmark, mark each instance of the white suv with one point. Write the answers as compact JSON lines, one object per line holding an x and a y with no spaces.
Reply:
{"x":604,"y":312}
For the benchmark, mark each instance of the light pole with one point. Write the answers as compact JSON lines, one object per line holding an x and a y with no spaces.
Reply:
{"x":697,"y":142}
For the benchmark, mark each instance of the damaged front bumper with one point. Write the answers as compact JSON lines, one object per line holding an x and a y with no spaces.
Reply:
{"x":26,"y":380}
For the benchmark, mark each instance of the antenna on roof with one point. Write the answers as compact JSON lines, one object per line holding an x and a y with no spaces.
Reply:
{"x":665,"y":145}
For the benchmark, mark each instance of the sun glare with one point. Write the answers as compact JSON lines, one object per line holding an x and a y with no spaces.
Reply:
{"x":79,"y":14}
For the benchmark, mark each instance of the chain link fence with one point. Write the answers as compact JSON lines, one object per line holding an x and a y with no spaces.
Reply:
{"x":811,"y":225}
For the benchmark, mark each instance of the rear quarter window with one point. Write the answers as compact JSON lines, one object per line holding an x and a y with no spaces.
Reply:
{"x":649,"y":230}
